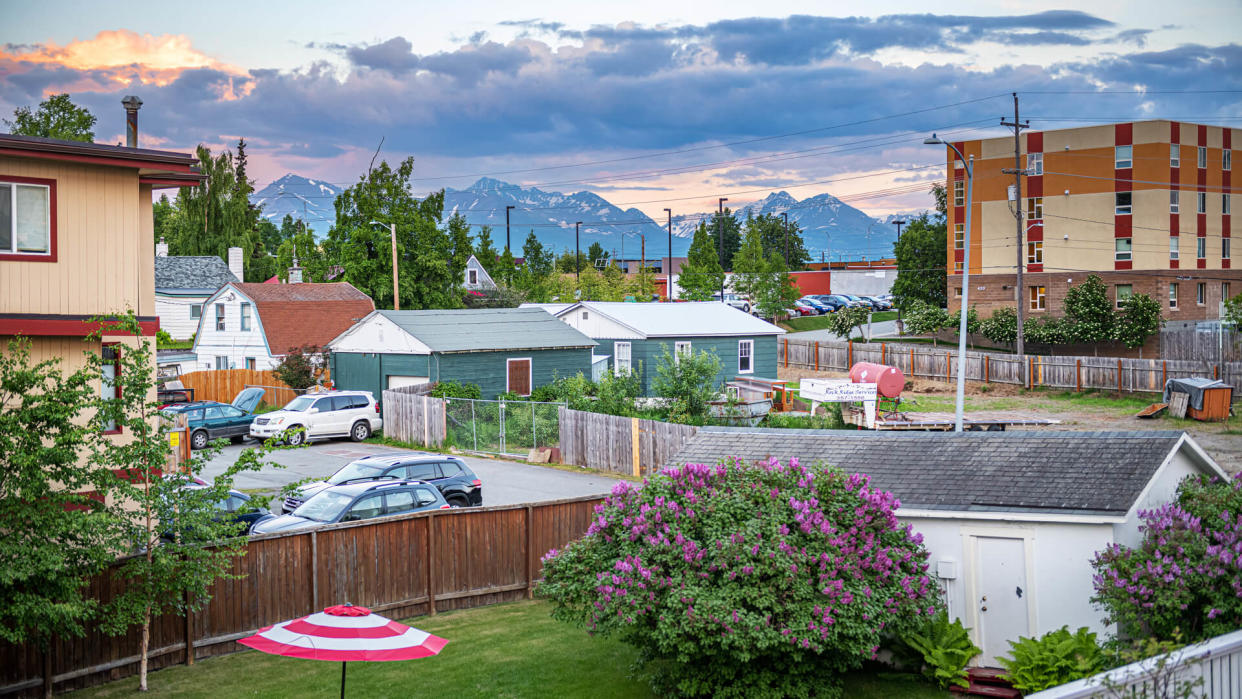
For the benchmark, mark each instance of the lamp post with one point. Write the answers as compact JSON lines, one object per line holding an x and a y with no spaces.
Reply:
{"x":969,"y":164}
{"x":720,"y":244}
{"x":392,"y":231}
{"x":785,"y":215}
{"x":577,"y":253}
{"x":899,"y":224}
{"x":507,"y":240}
{"x":668,"y":273}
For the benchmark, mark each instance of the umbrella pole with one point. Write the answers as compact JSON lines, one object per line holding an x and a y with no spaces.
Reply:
{"x":342,"y":679}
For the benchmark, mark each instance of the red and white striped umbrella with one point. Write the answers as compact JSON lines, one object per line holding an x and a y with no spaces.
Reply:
{"x":345,"y":632}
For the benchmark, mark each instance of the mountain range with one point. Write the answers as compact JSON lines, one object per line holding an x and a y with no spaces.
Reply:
{"x":831,"y":228}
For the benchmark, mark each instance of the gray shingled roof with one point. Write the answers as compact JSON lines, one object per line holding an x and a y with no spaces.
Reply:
{"x":488,"y":329}
{"x":1023,"y":471}
{"x":205,"y":273}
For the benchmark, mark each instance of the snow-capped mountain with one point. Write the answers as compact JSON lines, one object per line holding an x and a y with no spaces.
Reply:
{"x":313,"y":201}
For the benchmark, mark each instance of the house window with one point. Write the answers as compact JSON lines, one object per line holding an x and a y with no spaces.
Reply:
{"x":1226,"y":159}
{"x":472,"y":276}
{"x":251,"y":364}
{"x":222,"y":362}
{"x":1201,"y":248}
{"x":1173,"y":246}
{"x":1034,"y":208}
{"x":219,"y":316}
{"x":1124,"y":291}
{"x":110,"y":368}
{"x":1038,"y":300}
{"x":957,"y":292}
{"x":196,"y":310}
{"x":586,"y":315}
{"x":1123,"y":249}
{"x":621,"y":358}
{"x":1123,"y":157}
{"x":1201,"y":202}
{"x":745,"y":352}
{"x":1200,"y":293}
{"x":245,"y":317}
{"x":1224,"y":291}
{"x":26,"y":219}
{"x":1202,"y":156}
{"x":1175,"y":201}
{"x":959,"y":193}
{"x":1122,"y":203}
{"x":957,"y":266}
{"x":1175,"y":155}
{"x":1035,"y":252}
{"x":959,"y":236}
{"x":1224,"y":248}
{"x":1224,"y":204}
{"x":681,"y":348}
{"x":1034,"y":163}
{"x":1173,"y":295}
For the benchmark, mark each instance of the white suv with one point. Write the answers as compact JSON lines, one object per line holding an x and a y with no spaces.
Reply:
{"x":353,"y":414}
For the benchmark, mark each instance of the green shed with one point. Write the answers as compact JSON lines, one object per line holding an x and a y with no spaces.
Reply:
{"x":501,"y":349}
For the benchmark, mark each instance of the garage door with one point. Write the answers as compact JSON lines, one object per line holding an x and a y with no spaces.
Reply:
{"x":401,"y":381}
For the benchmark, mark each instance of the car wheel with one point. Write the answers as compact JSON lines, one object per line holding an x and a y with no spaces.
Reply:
{"x":459,"y":501}
{"x":360,"y":431}
{"x":199,"y":439}
{"x":295,"y":436}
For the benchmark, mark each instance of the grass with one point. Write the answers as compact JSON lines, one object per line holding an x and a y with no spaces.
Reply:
{"x":509,"y":650}
{"x":176,"y":344}
{"x":821,"y":322}
{"x":1043,"y":399}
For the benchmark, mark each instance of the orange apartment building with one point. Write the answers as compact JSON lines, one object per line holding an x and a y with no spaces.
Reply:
{"x":1144,"y":205}
{"x":77,"y":241}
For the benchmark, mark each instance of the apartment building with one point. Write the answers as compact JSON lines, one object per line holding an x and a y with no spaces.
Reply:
{"x":1145,"y":205}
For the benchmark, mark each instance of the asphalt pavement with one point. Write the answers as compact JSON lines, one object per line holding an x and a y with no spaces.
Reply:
{"x":504,"y":482}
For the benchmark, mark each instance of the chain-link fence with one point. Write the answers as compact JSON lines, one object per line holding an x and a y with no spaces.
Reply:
{"x":501,"y":426}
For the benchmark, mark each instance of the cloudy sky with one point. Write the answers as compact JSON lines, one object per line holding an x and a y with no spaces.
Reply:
{"x":651,"y":104}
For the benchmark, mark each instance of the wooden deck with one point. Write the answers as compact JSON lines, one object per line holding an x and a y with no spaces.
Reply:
{"x":988,"y":420}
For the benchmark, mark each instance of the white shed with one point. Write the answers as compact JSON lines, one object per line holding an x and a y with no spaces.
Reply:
{"x":1011,"y":519}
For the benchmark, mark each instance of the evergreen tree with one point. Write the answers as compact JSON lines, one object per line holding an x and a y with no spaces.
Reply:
{"x":164,"y":214}
{"x":750,"y":266}
{"x":309,"y":255}
{"x":55,"y":117}
{"x":596,"y":254}
{"x":463,"y":248}
{"x":505,"y":271}
{"x":921,"y":251}
{"x":725,"y":225}
{"x":484,"y":250}
{"x":537,"y":260}
{"x":701,"y":275}
{"x":773,"y":232}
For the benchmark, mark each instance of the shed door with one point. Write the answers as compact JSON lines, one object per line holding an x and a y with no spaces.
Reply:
{"x":519,"y":377}
{"x":1003,"y":594}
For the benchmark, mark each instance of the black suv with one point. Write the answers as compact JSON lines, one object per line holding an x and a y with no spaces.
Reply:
{"x":449,"y":474}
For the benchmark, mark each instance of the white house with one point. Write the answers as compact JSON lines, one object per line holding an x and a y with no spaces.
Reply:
{"x":184,"y":283}
{"x":252,"y":326}
{"x":477,"y":278}
{"x":1011,"y":519}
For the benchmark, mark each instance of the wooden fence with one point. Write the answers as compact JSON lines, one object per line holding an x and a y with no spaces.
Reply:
{"x":399,"y":566}
{"x":1223,"y":346}
{"x":410,"y":415}
{"x":224,"y":384}
{"x":1076,"y":373}
{"x":619,"y":444}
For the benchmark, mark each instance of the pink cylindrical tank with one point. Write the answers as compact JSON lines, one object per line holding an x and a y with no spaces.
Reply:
{"x":889,"y":380}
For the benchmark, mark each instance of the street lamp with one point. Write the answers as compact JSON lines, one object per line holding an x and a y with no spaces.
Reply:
{"x":969,"y":164}
{"x":899,"y":224}
{"x":785,"y":215}
{"x":392,"y":230}
{"x":668,"y":273}
{"x":720,"y":244}
{"x":577,"y":253}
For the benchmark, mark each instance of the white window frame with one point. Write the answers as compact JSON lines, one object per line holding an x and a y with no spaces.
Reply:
{"x":222,"y":363}
{"x":1201,"y":247}
{"x":1201,"y":202}
{"x":749,"y":353}
{"x":1035,"y":252}
{"x":959,"y":193}
{"x":1034,"y":163}
{"x":1175,"y":155}
{"x":1119,"y":299}
{"x":196,"y":307}
{"x":1201,"y":293}
{"x":1224,"y":291}
{"x":1175,"y":201}
{"x":682,"y":346}
{"x":1225,"y":203}
{"x":221,"y":315}
{"x":1203,"y":156}
{"x":1123,"y":209}
{"x":1034,"y":208}
{"x":12,"y":249}
{"x":1123,"y":249}
{"x":530,"y":372}
{"x":1123,"y":157}
{"x":472,"y":276}
{"x":958,"y":266}
{"x":1038,"y":296}
{"x":245,"y":317}
{"x":1173,"y":295}
{"x":622,"y":364}
{"x":1224,"y":248}
{"x":1226,"y":159}
{"x":1174,"y":247}
{"x":959,"y":236}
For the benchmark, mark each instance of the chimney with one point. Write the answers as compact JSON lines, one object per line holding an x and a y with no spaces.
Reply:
{"x":132,"y":104}
{"x":236,"y":265}
{"x":295,"y":273}
{"x":161,"y":248}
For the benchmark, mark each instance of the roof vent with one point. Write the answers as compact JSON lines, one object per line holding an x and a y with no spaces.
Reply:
{"x":161,"y":248}
{"x":295,"y":273}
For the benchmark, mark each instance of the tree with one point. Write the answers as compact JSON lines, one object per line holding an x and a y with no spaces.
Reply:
{"x":309,"y":255}
{"x":642,"y":285}
{"x":750,"y":266}
{"x":844,"y":322}
{"x":1002,"y":326}
{"x":538,"y":266}
{"x":745,"y":580}
{"x":1089,"y":310}
{"x":462,"y":247}
{"x":505,"y":269}
{"x":45,"y":563}
{"x":689,"y":380}
{"x":56,"y":117}
{"x":972,"y":321}
{"x":921,"y":252}
{"x":570,"y":263}
{"x":772,"y":230}
{"x":300,"y":368}
{"x":701,"y":276}
{"x":1139,"y":319}
{"x":725,"y":225}
{"x":484,"y":250}
{"x":596,"y":255}
{"x":925,"y":319}
{"x":424,"y":249}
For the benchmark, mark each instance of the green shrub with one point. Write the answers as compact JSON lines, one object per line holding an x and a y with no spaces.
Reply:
{"x":689,"y":381}
{"x":1054,"y":659}
{"x":456,"y":389}
{"x":943,"y":648}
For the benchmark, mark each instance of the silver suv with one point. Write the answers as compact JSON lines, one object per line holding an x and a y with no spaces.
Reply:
{"x":736,"y":301}
{"x":353,"y":414}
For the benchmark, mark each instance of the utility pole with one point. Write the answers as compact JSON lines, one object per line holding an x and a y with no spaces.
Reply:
{"x":396,"y":297}
{"x":720,"y":244}
{"x":785,"y":215}
{"x":668,"y":273}
{"x":507,"y":241}
{"x":642,"y":264}
{"x":578,"y":253}
{"x":1017,"y":173}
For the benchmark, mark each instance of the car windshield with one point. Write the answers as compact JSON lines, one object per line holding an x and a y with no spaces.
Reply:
{"x":299,"y":404}
{"x":324,"y":507}
{"x":355,"y":470}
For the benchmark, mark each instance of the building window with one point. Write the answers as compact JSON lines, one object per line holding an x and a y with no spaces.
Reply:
{"x":1034,"y":208}
{"x":957,"y":266}
{"x":959,"y":193}
{"x":1202,"y":156}
{"x":1123,"y":249}
{"x":1175,"y":155}
{"x":1035,"y":252}
{"x":1226,"y":159}
{"x":680,"y":349}
{"x":251,"y":364}
{"x":957,"y":291}
{"x":1124,"y":291}
{"x":1173,"y":295}
{"x":1201,"y":248}
{"x":25,"y":219}
{"x":222,"y":363}
{"x":472,"y":276}
{"x":1201,"y":202}
{"x":110,"y":368}
{"x":1034,"y":163}
{"x":1173,"y":247}
{"x":196,"y":310}
{"x":1122,"y":202}
{"x":959,"y":236}
{"x":621,"y":358}
{"x":219,"y":316}
{"x":1224,"y":248}
{"x":1200,"y":293}
{"x":1224,"y":204}
{"x":1123,"y":157}
{"x":1224,"y":291}
{"x":245,"y":317}
{"x":1038,"y":300}
{"x":1175,"y":201}
{"x":745,"y":352}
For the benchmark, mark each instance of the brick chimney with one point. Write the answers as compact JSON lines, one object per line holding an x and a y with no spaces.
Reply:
{"x":236,"y":266}
{"x":132,"y":104}
{"x":295,"y":273}
{"x":161,"y":249}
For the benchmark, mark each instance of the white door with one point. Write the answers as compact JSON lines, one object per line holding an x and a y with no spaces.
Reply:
{"x":1001,"y":585}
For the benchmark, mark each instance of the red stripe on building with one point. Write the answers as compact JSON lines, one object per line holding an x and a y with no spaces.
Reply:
{"x":64,"y":327}
{"x":1175,"y":177}
{"x":1123,"y":135}
{"x":1035,"y":142}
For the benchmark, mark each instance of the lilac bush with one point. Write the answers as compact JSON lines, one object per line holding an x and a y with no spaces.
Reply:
{"x":745,"y":580}
{"x":1187,"y":574}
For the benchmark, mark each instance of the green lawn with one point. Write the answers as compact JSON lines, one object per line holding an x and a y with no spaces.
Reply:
{"x":1040,"y":399}
{"x":511,"y":650}
{"x":821,"y":322}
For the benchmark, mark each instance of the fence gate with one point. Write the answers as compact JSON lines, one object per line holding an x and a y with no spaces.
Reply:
{"x":511,"y":427}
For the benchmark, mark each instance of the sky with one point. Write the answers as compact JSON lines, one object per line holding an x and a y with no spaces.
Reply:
{"x":649,"y":104}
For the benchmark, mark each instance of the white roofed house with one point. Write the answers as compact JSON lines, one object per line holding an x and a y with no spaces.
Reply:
{"x":184,"y":283}
{"x":477,"y":278}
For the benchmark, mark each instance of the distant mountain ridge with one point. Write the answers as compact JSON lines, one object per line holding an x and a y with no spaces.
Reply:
{"x":312,"y":201}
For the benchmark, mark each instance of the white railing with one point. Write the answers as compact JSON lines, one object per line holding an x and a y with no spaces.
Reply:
{"x":1216,"y":661}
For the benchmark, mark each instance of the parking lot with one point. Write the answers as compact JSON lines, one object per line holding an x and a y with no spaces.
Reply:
{"x":504,"y":482}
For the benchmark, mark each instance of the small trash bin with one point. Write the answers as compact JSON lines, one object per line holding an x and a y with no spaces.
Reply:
{"x":1208,"y":399}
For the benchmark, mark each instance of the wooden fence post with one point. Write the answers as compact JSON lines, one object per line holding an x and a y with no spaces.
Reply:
{"x":530,"y":553}
{"x":881,"y":352}
{"x":987,"y":368}
{"x":635,"y":446}
{"x":1030,"y":374}
{"x":1118,"y":377}
{"x":948,"y":367}
{"x":1077,"y":375}
{"x":314,"y":605}
{"x":786,"y":353}
{"x":426,"y":421}
{"x":431,"y":564}
{"x":189,"y":631}
{"x":1216,"y":372}
{"x":912,"y":373}
{"x":1164,"y":373}
{"x":817,"y":355}
{"x":849,"y":361}
{"x":48,"y":676}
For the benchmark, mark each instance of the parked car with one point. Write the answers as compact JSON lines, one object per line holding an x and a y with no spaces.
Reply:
{"x":830,"y":301}
{"x":818,"y":305}
{"x":877,"y":303}
{"x":847,"y":302}
{"x":736,"y":301}
{"x":353,"y":414}
{"x":354,"y":502}
{"x":236,"y":507}
{"x":208,"y":420}
{"x":807,"y":309}
{"x":859,"y":302}
{"x":449,"y":474}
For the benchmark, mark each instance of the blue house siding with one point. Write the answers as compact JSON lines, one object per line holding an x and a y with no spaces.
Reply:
{"x":488,"y":369}
{"x":648,"y":353}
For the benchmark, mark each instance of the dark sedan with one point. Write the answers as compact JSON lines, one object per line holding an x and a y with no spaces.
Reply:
{"x":210,"y":420}
{"x":449,"y":474}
